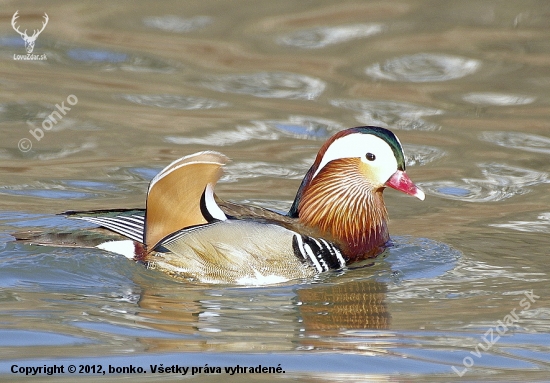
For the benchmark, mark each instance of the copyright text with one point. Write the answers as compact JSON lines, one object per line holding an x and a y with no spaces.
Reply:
{"x":100,"y":369}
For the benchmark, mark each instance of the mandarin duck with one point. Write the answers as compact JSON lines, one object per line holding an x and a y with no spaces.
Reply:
{"x":338,"y":216}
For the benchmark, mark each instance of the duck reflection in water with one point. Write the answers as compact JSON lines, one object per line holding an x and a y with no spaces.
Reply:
{"x":206,"y":318}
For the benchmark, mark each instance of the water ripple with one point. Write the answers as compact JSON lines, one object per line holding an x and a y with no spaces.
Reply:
{"x":315,"y":38}
{"x":11,"y":41}
{"x":24,"y":111}
{"x":46,"y":193}
{"x":173,"y":101}
{"x":510,"y":175}
{"x":92,"y":185}
{"x":111,"y":60}
{"x":497,"y":99}
{"x":419,"y":258}
{"x":177,"y":24}
{"x":421,"y":154}
{"x":501,"y":182}
{"x":56,"y":153}
{"x":295,"y":126}
{"x":517,"y":140}
{"x":18,"y":338}
{"x":540,"y":225}
{"x":96,"y":55}
{"x":424,"y":67}
{"x":305,"y":126}
{"x":146,"y":174}
{"x":245,"y":170}
{"x":64,"y":189}
{"x":257,"y":131}
{"x":396,"y":115}
{"x":267,"y":85}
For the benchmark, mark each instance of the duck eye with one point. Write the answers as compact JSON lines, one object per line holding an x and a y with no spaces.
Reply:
{"x":370,"y":156}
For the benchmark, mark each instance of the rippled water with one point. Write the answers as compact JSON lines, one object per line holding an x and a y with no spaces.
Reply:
{"x":463,"y":84}
{"x":424,"y":67}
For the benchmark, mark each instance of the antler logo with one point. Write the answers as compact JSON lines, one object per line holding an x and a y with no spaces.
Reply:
{"x":29,"y":40}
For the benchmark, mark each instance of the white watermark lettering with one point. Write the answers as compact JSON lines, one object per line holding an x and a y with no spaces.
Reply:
{"x":25,"y":144}
{"x":29,"y":40}
{"x":30,"y":57}
{"x":492,"y":335}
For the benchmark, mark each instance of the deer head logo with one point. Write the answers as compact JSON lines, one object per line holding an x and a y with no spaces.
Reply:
{"x":29,"y":40}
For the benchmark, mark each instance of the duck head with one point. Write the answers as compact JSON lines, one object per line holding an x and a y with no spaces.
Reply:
{"x":341,"y":194}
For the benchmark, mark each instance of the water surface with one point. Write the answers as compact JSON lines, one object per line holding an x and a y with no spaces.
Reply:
{"x":463,"y":84}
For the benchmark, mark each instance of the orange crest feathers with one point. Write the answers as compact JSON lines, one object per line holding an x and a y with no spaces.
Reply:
{"x":340,"y":202}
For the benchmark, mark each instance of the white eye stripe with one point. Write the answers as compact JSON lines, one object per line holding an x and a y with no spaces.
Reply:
{"x":356,"y":145}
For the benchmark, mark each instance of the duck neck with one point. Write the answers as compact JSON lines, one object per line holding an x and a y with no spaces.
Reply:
{"x":343,"y":206}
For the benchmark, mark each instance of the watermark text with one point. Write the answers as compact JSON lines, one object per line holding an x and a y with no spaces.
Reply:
{"x":492,"y":335}
{"x":25,"y":144}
